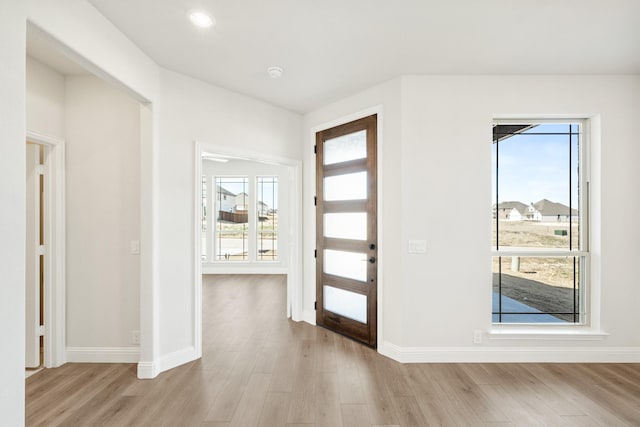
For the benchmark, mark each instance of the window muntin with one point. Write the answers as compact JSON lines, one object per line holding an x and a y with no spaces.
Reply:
{"x":232,"y":224}
{"x":538,"y":216}
{"x":267,"y":218}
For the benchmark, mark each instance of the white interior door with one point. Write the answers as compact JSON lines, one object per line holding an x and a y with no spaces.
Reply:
{"x":33,"y":257}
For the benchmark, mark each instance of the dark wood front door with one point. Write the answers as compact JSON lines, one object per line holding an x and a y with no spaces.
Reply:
{"x":346,"y":229}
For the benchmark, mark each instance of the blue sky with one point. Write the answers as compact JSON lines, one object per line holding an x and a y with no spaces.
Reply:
{"x":534,"y":167}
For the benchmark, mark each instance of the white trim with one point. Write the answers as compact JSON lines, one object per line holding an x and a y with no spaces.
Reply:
{"x":176,"y":359}
{"x":197,"y":254}
{"x":511,"y":354}
{"x":103,"y":354}
{"x":54,"y":258}
{"x":147,"y":370}
{"x":309,"y":316}
{"x":552,"y":332}
{"x":311,"y":230}
{"x":293,"y":264}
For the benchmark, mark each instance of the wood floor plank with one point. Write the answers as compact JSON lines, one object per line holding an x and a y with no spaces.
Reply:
{"x":355,"y":415}
{"x":327,"y":403}
{"x":275,"y":410}
{"x":252,"y":401}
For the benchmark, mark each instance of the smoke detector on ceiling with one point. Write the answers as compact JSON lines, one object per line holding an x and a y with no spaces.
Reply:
{"x":275,"y":72}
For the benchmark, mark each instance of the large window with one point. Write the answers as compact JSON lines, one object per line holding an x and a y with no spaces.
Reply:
{"x":267,"y":214}
{"x":539,"y":216}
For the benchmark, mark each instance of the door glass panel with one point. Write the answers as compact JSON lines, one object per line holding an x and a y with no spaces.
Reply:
{"x":352,"y":265}
{"x":348,"y":225}
{"x":350,"y":186}
{"x":344,"y":148}
{"x":346,"y":303}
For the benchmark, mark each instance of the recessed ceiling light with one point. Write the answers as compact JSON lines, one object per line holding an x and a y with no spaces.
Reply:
{"x":275,"y":72}
{"x":201,"y":19}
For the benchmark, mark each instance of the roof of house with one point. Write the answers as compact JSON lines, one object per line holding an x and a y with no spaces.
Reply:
{"x":519,"y":206}
{"x":224,"y":191}
{"x":549,"y":208}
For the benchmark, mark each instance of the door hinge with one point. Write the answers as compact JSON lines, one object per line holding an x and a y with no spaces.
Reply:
{"x":315,"y":149}
{"x":41,"y":330}
{"x":41,"y":250}
{"x":315,"y":253}
{"x":315,"y":200}
{"x":315,"y":305}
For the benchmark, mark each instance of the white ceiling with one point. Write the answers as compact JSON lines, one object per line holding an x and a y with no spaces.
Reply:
{"x":330,"y":49}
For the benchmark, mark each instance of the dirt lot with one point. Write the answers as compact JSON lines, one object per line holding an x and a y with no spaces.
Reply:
{"x":545,"y":283}
{"x":549,"y":299}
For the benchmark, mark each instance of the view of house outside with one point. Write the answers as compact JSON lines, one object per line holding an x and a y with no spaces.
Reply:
{"x":535,"y":219}
{"x":231,"y":204}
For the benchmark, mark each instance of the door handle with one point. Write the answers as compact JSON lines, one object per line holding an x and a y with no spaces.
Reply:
{"x":372,"y":260}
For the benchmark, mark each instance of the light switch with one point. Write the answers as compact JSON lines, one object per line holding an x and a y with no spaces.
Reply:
{"x":135,"y":247}
{"x":417,"y":246}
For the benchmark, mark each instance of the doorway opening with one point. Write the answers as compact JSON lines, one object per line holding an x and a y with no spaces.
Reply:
{"x":45,"y":253}
{"x":248,"y":221}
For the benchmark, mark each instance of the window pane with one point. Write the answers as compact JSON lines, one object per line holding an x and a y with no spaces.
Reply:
{"x":344,"y":148}
{"x":350,"y":225}
{"x":351,"y":265}
{"x":232,"y":199}
{"x":536,"y":186}
{"x":346,"y":303}
{"x":351,"y":186}
{"x":536,"y":289}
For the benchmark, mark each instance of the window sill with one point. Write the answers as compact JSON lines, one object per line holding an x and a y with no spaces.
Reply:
{"x":519,"y":332}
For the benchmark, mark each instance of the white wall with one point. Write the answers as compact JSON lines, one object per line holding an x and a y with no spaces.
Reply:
{"x":445,"y":157}
{"x":45,"y":100}
{"x":12,"y":214}
{"x":192,"y":110}
{"x":103,"y":214}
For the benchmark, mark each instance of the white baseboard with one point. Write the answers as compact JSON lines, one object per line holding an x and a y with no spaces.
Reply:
{"x":147,"y":370}
{"x":102,"y":354}
{"x":510,"y":354}
{"x":176,"y":358}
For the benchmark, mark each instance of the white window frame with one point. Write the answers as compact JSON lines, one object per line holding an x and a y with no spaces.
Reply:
{"x":583,"y":253}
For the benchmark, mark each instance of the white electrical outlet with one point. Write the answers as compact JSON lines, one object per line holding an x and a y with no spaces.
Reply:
{"x":135,"y":247}
{"x":417,"y":246}
{"x":135,"y":337}
{"x":477,"y":336}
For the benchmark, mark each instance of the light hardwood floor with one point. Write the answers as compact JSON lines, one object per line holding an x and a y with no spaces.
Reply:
{"x":260,"y":369}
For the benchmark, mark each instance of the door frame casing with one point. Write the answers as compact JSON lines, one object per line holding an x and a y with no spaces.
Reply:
{"x":55,"y":244}
{"x":310,"y":229}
